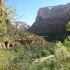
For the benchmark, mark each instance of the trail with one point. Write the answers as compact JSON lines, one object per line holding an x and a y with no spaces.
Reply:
{"x":42,"y":59}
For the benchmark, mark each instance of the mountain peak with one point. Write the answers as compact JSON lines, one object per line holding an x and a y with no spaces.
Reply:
{"x":21,"y":25}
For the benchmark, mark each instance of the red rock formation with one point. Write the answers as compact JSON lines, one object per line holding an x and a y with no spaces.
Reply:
{"x":26,"y":41}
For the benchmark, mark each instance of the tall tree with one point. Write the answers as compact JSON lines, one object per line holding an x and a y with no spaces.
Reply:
{"x":62,"y":51}
{"x":3,"y":20}
{"x":7,"y":14}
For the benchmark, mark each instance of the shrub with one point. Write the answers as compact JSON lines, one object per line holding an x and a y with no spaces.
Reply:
{"x":39,"y":55}
{"x":45,"y":53}
{"x":51,"y":50}
{"x":34,"y":56}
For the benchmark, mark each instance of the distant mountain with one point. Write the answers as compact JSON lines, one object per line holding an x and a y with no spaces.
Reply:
{"x":51,"y":20}
{"x":21,"y":25}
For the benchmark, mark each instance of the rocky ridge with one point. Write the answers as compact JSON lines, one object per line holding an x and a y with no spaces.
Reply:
{"x":21,"y":25}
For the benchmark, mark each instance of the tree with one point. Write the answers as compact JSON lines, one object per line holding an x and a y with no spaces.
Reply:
{"x":3,"y":20}
{"x":68,"y":26}
{"x":67,"y":40}
{"x":62,"y":51}
{"x":7,"y":14}
{"x":62,"y":56}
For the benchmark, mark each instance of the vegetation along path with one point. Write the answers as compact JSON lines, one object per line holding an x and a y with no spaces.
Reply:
{"x":42,"y":59}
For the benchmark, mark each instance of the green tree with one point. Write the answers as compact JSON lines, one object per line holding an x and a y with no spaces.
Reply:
{"x":62,"y":56}
{"x":3,"y":19}
{"x":68,"y":26}
{"x":62,"y":51}
{"x":67,"y":40}
{"x":7,"y":14}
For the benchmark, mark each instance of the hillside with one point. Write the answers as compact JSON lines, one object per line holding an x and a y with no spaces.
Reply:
{"x":22,"y":48}
{"x":15,"y":35}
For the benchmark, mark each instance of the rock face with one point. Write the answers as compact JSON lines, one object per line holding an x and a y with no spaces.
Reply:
{"x":51,"y":20}
{"x":21,"y":25}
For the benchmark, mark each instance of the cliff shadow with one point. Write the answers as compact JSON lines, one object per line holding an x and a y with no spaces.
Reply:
{"x":55,"y":36}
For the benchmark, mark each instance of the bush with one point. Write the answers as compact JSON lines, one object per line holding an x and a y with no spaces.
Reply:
{"x":45,"y":53}
{"x":34,"y":56}
{"x":52,"y":51}
{"x":39,"y":55}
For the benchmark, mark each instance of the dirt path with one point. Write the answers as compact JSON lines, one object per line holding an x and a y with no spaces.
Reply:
{"x":42,"y":59}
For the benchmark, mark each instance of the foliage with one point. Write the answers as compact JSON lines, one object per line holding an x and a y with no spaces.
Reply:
{"x":3,"y":17}
{"x":62,"y":56}
{"x":68,"y":26}
{"x":62,"y":51}
{"x":45,"y":52}
{"x":7,"y":14}
{"x":20,"y":57}
{"x":39,"y":55}
{"x":11,"y":12}
{"x":5,"y":58}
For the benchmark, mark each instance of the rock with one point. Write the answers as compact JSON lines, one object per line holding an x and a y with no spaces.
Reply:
{"x":21,"y":25}
{"x":51,"y":20}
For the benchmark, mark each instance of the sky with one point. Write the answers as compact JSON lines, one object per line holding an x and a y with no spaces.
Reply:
{"x":29,"y":8}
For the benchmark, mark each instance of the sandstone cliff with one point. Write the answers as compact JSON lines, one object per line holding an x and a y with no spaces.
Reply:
{"x":51,"y":20}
